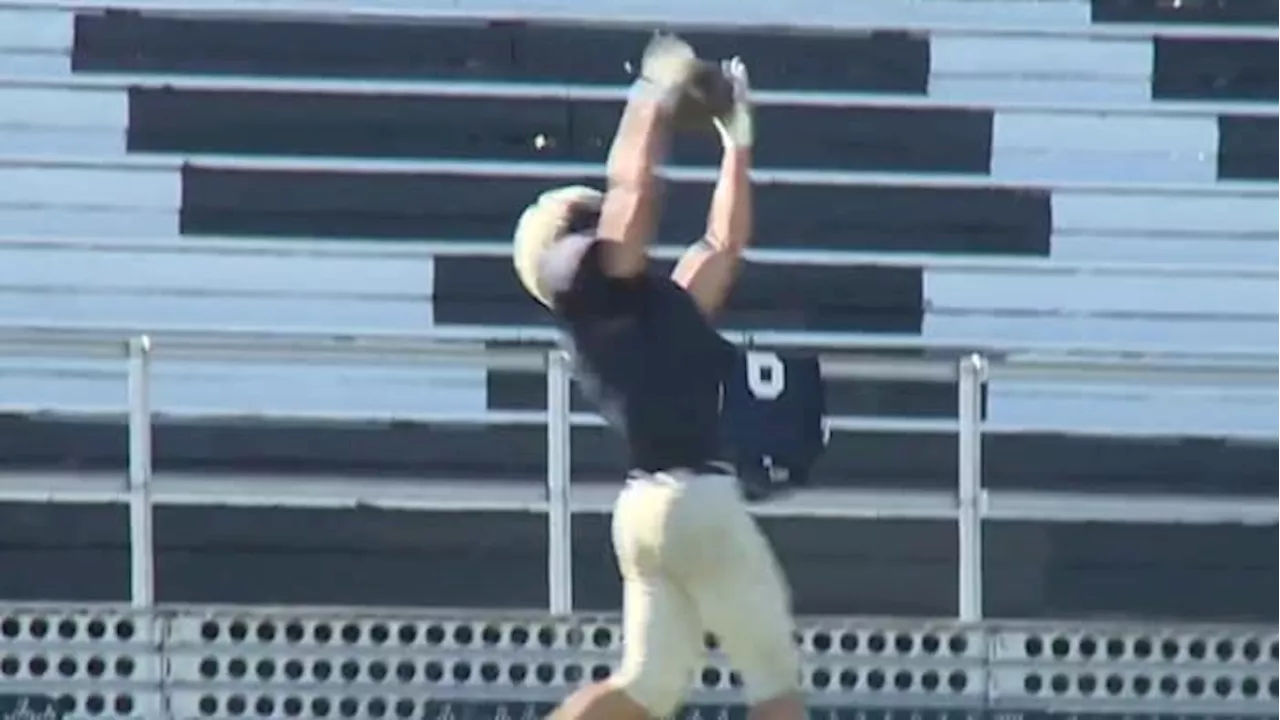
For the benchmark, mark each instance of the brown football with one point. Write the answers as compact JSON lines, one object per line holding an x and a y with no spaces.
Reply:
{"x":708,"y":94}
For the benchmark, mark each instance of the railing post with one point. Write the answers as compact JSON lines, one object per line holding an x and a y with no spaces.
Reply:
{"x":141,"y":545}
{"x":559,"y":514}
{"x":972,"y":375}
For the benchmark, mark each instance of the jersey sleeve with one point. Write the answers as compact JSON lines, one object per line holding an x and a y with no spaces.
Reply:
{"x":572,"y":271}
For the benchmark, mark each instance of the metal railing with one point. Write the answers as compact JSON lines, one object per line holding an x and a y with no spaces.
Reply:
{"x":970,"y":372}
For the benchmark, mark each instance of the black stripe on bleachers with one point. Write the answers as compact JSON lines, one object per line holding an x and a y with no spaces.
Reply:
{"x":1214,"y":69}
{"x":836,"y":566}
{"x":403,"y":126}
{"x":1247,"y":147}
{"x":1042,"y":461}
{"x":361,"y":556}
{"x":1109,"y":570}
{"x":483,"y":290}
{"x":366,"y":556}
{"x":476,"y":559}
{"x":64,"y":552}
{"x":1085,"y":463}
{"x":1261,"y":13}
{"x":425,"y":206}
{"x":353,"y":125}
{"x":135,"y":42}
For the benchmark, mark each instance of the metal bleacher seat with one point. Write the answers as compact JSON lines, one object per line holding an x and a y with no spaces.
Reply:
{"x":1035,"y":180}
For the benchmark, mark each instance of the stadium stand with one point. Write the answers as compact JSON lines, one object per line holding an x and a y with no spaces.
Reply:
{"x":1036,"y":180}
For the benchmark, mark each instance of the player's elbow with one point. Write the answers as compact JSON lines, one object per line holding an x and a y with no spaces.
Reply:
{"x":728,"y":242}
{"x":627,"y":222}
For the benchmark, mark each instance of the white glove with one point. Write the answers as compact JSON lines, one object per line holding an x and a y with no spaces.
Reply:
{"x":736,"y":128}
{"x":665,"y":66}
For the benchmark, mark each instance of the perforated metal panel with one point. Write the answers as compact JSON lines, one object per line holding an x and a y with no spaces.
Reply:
{"x":1177,"y":669}
{"x":282,"y":666}
{"x":93,"y":663}
{"x":192,"y":663}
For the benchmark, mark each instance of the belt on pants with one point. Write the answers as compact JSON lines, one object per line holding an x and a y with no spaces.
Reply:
{"x":712,"y":467}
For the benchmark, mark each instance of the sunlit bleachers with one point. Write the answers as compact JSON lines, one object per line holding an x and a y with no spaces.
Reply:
{"x":1030,"y":179}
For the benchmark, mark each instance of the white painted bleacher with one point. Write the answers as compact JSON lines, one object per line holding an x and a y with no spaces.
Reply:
{"x":1041,"y":17}
{"x":1151,"y":258}
{"x":1150,"y":252}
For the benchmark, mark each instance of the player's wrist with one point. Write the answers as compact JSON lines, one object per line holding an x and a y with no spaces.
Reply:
{"x":738,"y":155}
{"x":744,"y":134}
{"x":647,"y":91}
{"x":736,"y":129}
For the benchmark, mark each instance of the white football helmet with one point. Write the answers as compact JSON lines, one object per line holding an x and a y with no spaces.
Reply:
{"x":542,"y":224}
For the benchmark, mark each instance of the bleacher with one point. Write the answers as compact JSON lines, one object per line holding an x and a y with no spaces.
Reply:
{"x":1040,"y":181}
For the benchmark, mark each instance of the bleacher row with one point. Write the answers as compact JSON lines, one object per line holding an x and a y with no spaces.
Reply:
{"x":1022,"y":187}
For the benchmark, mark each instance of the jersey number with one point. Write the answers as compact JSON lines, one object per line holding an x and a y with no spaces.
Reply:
{"x":766,"y":375}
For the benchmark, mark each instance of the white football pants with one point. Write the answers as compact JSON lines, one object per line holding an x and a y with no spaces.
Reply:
{"x":693,"y":561}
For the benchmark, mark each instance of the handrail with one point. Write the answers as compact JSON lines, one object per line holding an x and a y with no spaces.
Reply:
{"x":971,"y":371}
{"x":527,"y":169}
{"x":522,"y":347}
{"x":572,"y":91}
{"x":713,"y":17}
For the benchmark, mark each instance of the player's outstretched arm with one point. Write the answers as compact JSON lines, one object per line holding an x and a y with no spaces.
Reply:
{"x":707,"y":270}
{"x":628,"y":213}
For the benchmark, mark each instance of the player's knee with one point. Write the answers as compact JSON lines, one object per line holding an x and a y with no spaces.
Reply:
{"x":657,"y":688}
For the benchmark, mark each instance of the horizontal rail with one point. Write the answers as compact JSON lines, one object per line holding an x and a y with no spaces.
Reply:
{"x":487,"y":168}
{"x":314,"y":351}
{"x":604,"y":14}
{"x":75,"y":341}
{"x":425,"y":250}
{"x":540,"y":418}
{"x":181,"y":489}
{"x":569,"y":91}
{"x":497,"y":418}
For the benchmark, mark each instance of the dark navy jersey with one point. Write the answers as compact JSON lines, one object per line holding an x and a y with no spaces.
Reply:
{"x":643,"y":352}
{"x":773,"y":420}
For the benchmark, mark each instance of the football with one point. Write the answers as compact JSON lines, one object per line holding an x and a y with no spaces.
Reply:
{"x":708,"y":94}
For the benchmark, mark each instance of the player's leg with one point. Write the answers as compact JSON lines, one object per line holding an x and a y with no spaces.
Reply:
{"x":658,"y":659}
{"x":745,"y":602}
{"x":661,"y":636}
{"x":661,"y":646}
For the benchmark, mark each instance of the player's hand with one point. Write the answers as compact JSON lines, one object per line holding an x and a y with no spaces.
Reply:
{"x":737,"y":127}
{"x":667,"y":63}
